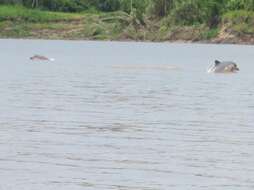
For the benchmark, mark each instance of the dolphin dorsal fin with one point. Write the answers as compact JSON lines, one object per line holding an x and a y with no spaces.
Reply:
{"x":217,"y":62}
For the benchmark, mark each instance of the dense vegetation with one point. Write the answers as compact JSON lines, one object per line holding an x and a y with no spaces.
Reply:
{"x":203,"y":17}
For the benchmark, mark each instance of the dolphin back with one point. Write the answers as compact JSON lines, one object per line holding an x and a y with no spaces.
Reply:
{"x":223,"y":67}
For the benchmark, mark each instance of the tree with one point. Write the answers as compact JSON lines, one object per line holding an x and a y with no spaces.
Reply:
{"x":35,"y":3}
{"x":161,"y":8}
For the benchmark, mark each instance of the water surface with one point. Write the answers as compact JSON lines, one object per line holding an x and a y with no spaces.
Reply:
{"x":125,"y":116}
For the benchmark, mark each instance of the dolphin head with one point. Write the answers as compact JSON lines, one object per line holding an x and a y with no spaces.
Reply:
{"x":235,"y":68}
{"x":230,"y":67}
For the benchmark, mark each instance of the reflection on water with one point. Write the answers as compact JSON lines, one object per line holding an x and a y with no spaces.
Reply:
{"x":145,"y":67}
{"x":129,"y":116}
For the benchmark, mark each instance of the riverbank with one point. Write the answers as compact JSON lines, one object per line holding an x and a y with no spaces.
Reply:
{"x":19,"y":22}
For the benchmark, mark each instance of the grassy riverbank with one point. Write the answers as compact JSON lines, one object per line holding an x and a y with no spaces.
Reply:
{"x":20,"y":22}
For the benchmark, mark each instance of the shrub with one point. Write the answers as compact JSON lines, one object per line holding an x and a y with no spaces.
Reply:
{"x":187,"y":13}
{"x":240,"y":5}
{"x":239,"y":22}
{"x":109,"y":5}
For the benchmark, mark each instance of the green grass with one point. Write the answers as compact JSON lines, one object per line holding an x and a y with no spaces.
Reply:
{"x":18,"y":21}
{"x":19,"y":13}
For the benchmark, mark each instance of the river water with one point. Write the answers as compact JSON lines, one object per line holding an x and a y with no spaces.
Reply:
{"x":125,"y":116}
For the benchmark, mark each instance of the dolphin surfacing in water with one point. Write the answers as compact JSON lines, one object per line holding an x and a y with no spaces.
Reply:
{"x":223,"y":67}
{"x":41,"y":58}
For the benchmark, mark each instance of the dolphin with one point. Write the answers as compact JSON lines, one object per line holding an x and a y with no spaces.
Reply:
{"x":223,"y":67}
{"x":41,"y":58}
